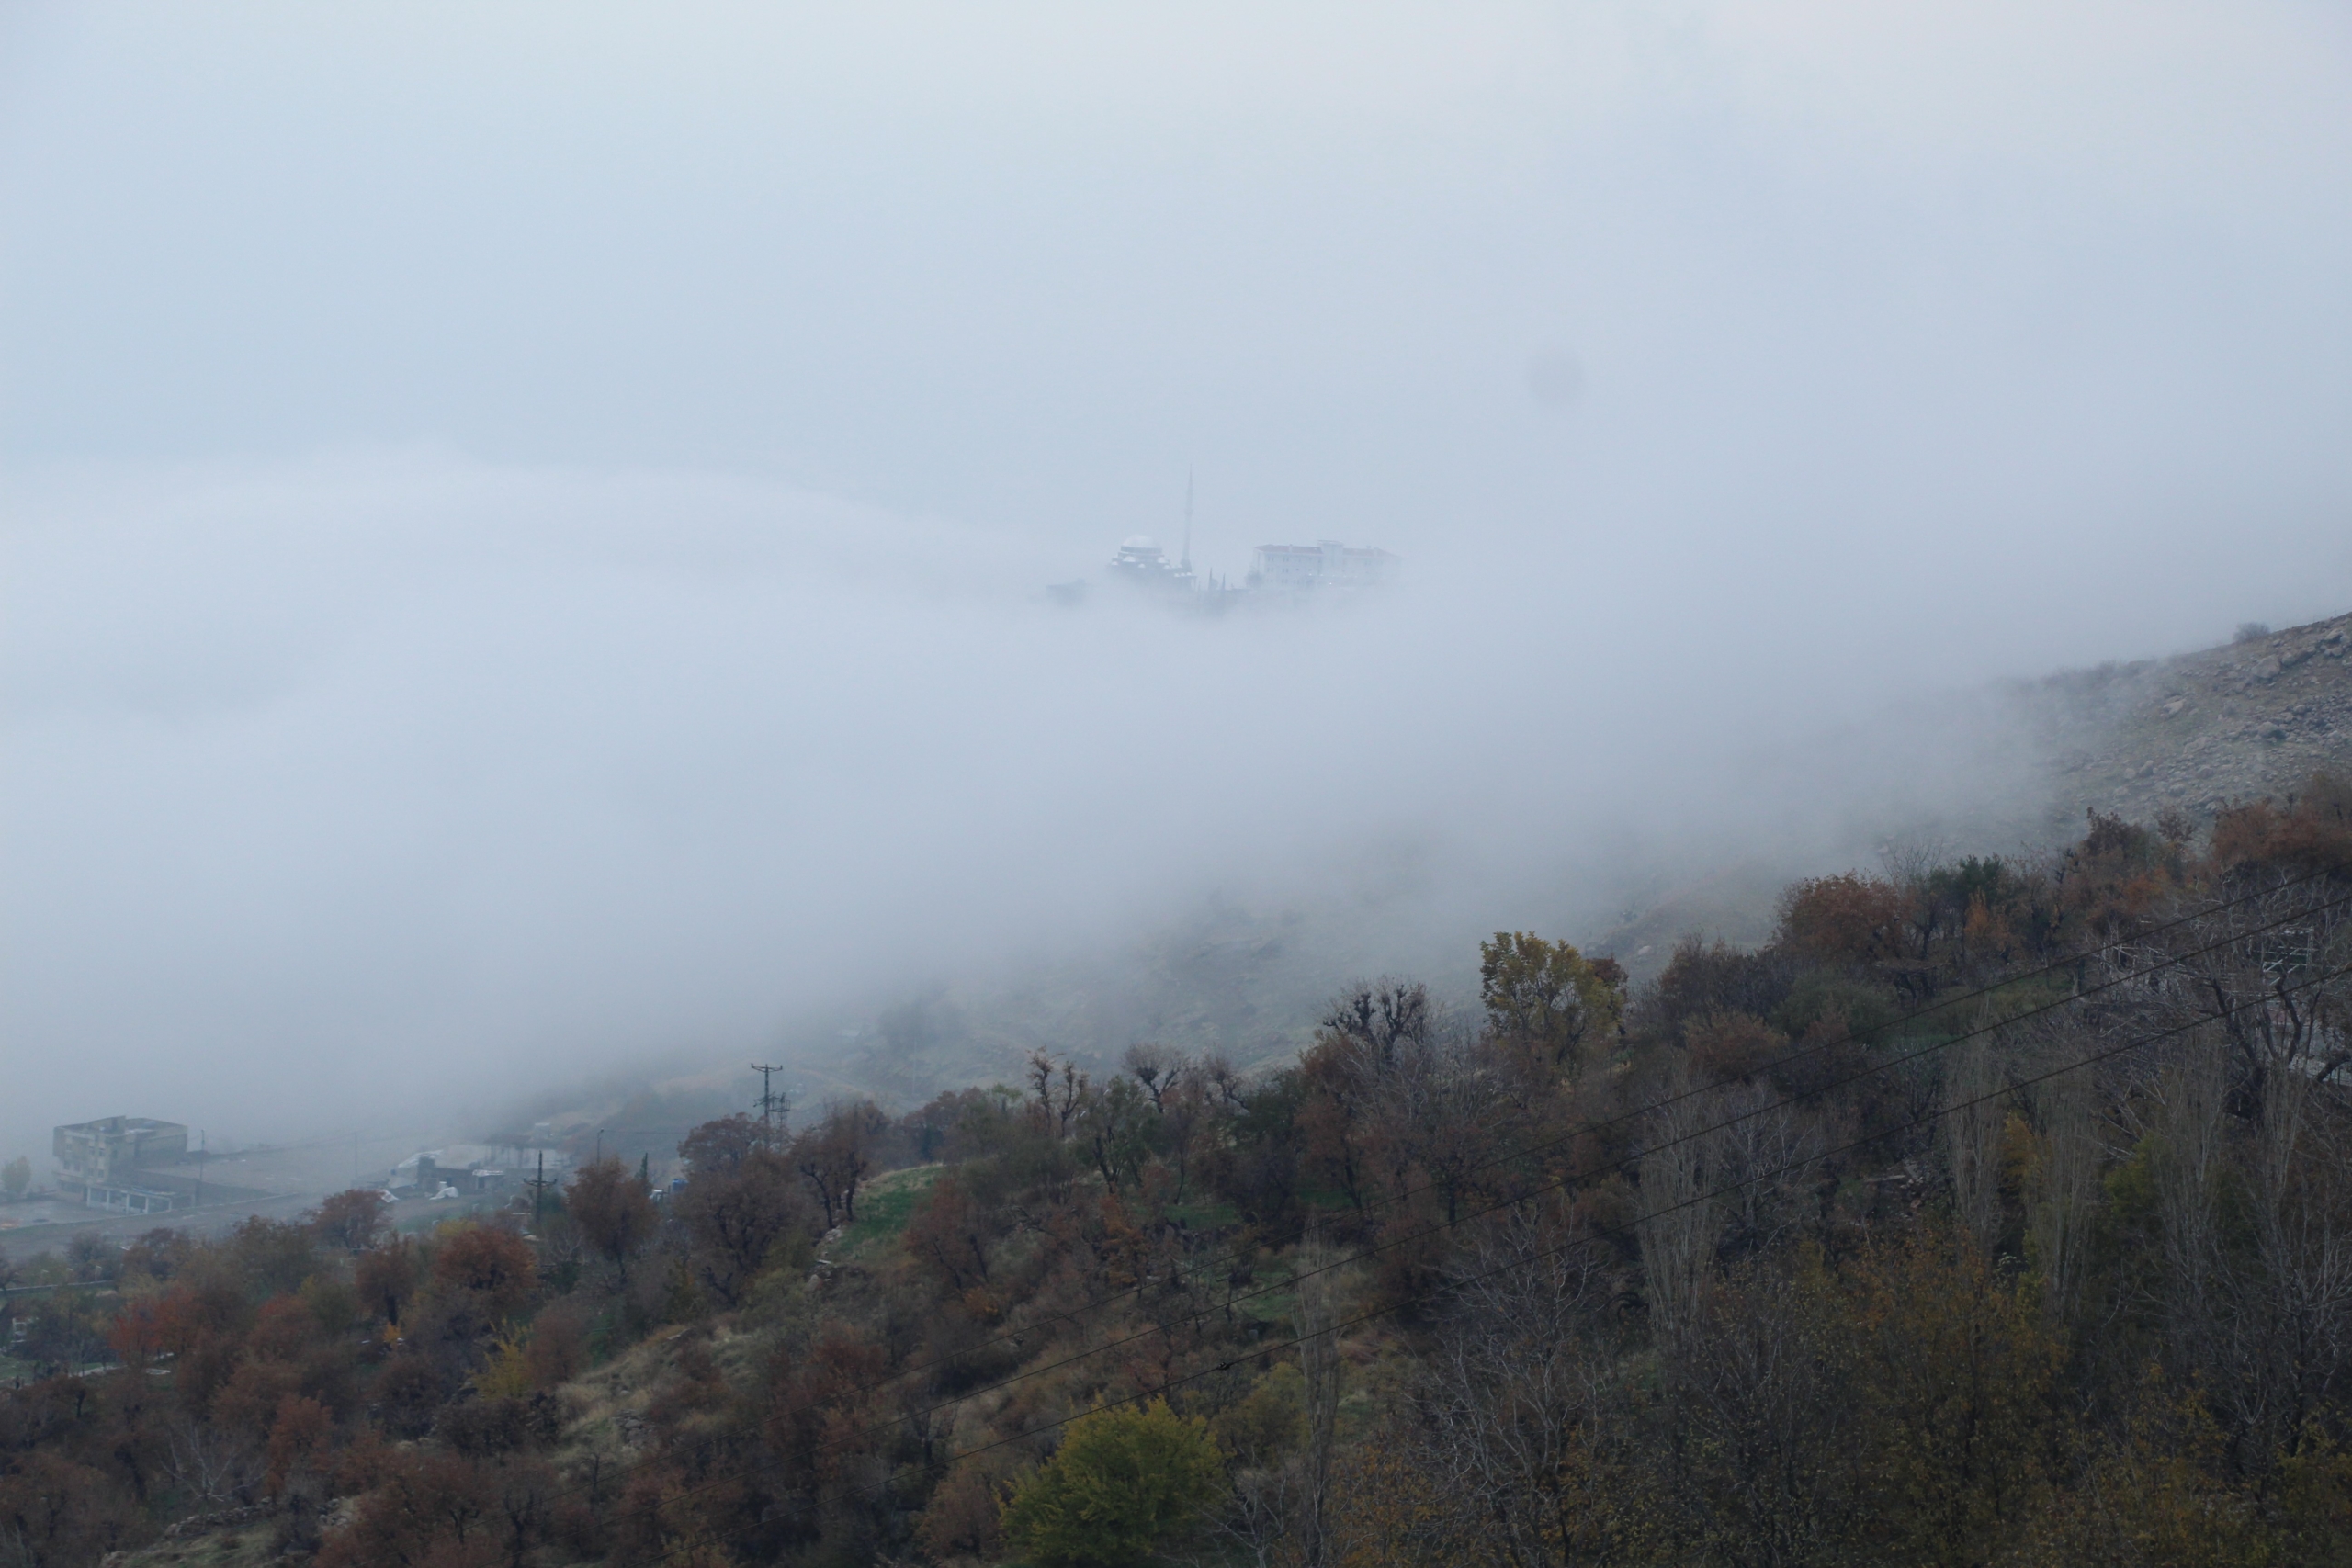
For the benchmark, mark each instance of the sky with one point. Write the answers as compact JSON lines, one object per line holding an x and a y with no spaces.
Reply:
{"x":524,"y":526}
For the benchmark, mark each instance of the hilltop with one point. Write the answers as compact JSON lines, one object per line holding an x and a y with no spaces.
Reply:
{"x":2199,"y":732}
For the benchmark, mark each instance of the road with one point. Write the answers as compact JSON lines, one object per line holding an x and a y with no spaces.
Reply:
{"x":291,"y":1178}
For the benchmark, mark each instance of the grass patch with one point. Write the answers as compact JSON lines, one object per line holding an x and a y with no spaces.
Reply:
{"x":1205,"y":1216}
{"x":884,"y":1207}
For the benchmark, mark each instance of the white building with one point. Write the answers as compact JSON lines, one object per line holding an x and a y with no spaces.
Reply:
{"x":1140,"y":561}
{"x":1295,"y":568}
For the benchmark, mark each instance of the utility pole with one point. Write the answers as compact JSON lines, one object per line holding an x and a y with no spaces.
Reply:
{"x":539,"y":1191}
{"x":767,"y":1099}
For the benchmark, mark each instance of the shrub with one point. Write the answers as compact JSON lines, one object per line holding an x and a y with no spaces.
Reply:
{"x":1124,"y":1482}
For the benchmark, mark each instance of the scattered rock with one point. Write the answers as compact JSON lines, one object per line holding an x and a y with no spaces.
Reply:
{"x":2226,"y":726}
{"x":201,"y":1524}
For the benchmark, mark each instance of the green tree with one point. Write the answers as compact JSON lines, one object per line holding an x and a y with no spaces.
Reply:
{"x":1545,"y":1000}
{"x":16,"y":1176}
{"x":1124,"y":1482}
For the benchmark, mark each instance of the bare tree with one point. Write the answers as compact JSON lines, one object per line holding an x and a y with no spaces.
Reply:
{"x":2189,"y":1169}
{"x":210,"y":1463}
{"x":1765,"y":1150}
{"x":1157,"y":1069}
{"x":1682,"y":1221}
{"x":1763,"y":1410}
{"x":1971,"y":1126}
{"x":2291,"y":1311}
{"x":1432,"y":1109}
{"x":837,"y":1155}
{"x":2265,"y":970}
{"x":1519,"y":1408}
{"x":2065,"y":1182}
{"x":1319,"y":1361}
{"x":1061,"y":1090}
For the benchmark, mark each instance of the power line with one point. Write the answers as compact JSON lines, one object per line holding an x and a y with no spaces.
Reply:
{"x":1562,"y":1184}
{"x":1625,"y":1230}
{"x":768,"y":1099}
{"x":1650,"y":1108}
{"x":1608,"y":1123}
{"x":1597,"y":1233}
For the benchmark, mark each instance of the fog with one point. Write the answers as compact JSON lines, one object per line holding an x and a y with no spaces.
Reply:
{"x":525,"y":528}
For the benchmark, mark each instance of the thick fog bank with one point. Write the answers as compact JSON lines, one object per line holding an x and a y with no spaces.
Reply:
{"x":523,"y":530}
{"x":402,"y":784}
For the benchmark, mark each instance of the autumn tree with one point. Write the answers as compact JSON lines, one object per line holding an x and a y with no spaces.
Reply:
{"x":739,"y":1206}
{"x":425,"y":1507}
{"x":492,"y":1267}
{"x":1363,"y":1036}
{"x":349,"y":1220}
{"x":386,"y":1277}
{"x":613,"y":1209}
{"x":1846,"y":919}
{"x":836,"y":1156}
{"x":950,"y":1235}
{"x":717,"y":1146}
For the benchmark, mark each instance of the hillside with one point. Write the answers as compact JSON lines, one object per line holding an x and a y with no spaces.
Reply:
{"x":2235,"y":723}
{"x":1988,"y":1213}
{"x":2198,"y":732}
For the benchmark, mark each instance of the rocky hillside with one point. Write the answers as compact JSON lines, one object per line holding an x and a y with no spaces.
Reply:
{"x":1986,"y":770}
{"x":2195,"y":733}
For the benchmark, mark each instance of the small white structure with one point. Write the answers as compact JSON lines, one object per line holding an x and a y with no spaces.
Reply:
{"x":1300,"y":569}
{"x":128,"y":1200}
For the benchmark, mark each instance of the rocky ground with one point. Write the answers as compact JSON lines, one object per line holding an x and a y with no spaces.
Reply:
{"x":2202,"y":731}
{"x":2011,"y":771}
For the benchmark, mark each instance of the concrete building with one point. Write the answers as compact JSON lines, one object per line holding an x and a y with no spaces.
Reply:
{"x":1299,"y":569}
{"x":109,"y":1149}
{"x":115,"y":1162}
